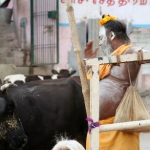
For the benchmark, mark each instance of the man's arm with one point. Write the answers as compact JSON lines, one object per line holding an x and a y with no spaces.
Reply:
{"x":89,"y":53}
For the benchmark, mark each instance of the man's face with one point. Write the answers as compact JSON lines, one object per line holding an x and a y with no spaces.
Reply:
{"x":103,"y":42}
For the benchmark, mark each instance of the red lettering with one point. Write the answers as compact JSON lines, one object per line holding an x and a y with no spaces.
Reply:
{"x":101,"y":1}
{"x":122,"y":2}
{"x":143,"y":2}
{"x":134,"y":2}
{"x":80,"y":1}
{"x":110,"y":2}
{"x":94,"y":1}
{"x":62,"y":1}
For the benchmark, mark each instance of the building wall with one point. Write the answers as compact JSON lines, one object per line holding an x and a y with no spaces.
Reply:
{"x":124,"y":10}
{"x":88,"y":9}
{"x":83,"y":11}
{"x":22,"y":12}
{"x":140,"y":37}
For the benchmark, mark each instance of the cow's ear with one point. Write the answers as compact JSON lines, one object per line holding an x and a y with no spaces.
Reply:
{"x":2,"y":104}
{"x":72,"y":72}
{"x":54,"y":71}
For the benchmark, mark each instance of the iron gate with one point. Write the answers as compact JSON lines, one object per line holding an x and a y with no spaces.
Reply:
{"x":44,"y":32}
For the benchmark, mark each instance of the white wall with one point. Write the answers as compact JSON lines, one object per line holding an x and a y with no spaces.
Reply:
{"x":135,"y":12}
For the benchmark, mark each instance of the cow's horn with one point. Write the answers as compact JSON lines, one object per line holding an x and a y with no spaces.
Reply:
{"x":58,"y":69}
{"x":7,"y":85}
{"x":70,"y":70}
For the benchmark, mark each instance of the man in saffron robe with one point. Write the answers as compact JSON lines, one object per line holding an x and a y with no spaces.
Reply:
{"x":114,"y":81}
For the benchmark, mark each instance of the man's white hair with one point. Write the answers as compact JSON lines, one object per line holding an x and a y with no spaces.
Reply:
{"x":66,"y":144}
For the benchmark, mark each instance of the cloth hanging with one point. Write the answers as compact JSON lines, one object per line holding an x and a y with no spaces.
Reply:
{"x":132,"y":108}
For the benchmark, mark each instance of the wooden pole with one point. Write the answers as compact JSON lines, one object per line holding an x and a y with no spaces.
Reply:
{"x":124,"y":126}
{"x":123,"y":59}
{"x":94,"y":106}
{"x":78,"y":54}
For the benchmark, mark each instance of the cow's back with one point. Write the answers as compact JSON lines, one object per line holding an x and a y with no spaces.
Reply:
{"x":50,"y":107}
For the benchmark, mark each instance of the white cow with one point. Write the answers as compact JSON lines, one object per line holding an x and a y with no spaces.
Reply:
{"x":66,"y":144}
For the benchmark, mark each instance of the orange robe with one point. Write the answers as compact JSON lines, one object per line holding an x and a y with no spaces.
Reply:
{"x":105,"y":69}
{"x":114,"y":140}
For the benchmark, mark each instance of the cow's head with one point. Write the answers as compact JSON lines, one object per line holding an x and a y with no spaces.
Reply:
{"x":11,"y":129}
{"x":63,"y":73}
{"x":15,"y":78}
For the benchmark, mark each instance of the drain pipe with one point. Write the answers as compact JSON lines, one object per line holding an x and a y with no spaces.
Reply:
{"x":23,"y":35}
{"x":23,"y":39}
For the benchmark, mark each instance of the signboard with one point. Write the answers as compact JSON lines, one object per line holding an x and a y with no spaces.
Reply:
{"x":134,"y":11}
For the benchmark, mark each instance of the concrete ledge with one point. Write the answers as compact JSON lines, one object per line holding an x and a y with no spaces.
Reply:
{"x":7,"y":69}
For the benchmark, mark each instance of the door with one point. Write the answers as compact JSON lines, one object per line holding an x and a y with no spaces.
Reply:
{"x":44,"y":32}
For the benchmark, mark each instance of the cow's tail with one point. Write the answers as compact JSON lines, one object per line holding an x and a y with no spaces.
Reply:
{"x":66,"y":144}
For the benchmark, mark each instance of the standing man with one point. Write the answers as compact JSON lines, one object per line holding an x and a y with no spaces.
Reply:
{"x":114,"y":80}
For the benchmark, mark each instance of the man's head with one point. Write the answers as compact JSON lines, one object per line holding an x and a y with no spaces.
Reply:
{"x":112,"y":34}
{"x":104,"y":41}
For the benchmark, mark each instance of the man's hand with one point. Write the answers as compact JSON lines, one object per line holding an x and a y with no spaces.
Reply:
{"x":88,"y":50}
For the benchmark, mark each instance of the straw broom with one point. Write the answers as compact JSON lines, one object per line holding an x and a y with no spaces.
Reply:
{"x":78,"y":54}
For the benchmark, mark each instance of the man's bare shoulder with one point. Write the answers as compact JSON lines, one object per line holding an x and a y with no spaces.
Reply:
{"x":134,"y":49}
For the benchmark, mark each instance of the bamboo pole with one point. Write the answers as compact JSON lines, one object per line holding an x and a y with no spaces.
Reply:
{"x":78,"y":54}
{"x":123,"y":59}
{"x":124,"y":126}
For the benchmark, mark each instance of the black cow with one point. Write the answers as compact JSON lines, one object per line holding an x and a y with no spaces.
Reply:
{"x":50,"y":108}
{"x":20,"y":78}
{"x":11,"y":129}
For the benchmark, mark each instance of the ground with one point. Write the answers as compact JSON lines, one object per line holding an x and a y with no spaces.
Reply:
{"x":145,"y":141}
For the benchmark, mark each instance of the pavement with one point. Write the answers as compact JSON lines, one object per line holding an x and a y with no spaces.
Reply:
{"x":145,"y":141}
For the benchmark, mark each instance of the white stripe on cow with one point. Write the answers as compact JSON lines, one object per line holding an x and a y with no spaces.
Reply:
{"x":54,"y":76}
{"x":41,"y":77}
